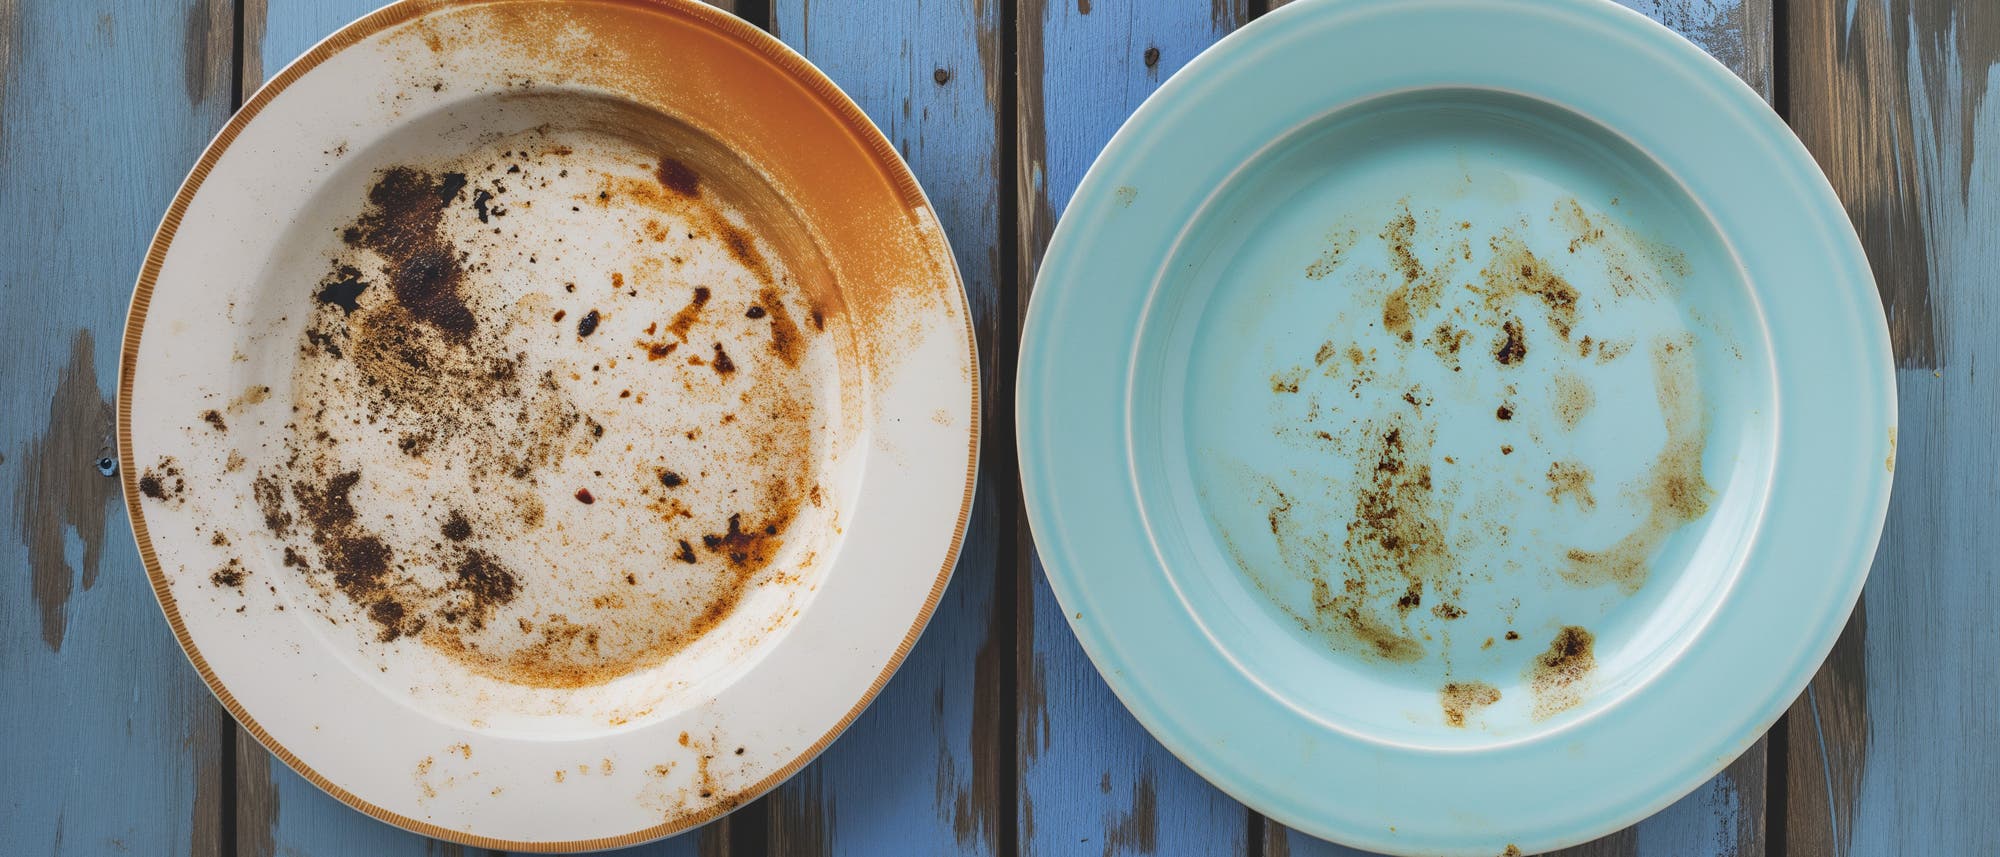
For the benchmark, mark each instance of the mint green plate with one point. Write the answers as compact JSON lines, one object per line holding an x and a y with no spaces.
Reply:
{"x":1456,"y":424}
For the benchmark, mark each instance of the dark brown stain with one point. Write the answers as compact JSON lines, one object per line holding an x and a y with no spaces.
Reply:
{"x":231,"y":574}
{"x":206,"y":54}
{"x":1511,"y":347}
{"x":1827,"y":740}
{"x":424,"y":271}
{"x":722,"y":364}
{"x":1083,"y":7}
{"x":1559,"y":676}
{"x":342,"y":288}
{"x":1136,"y":830}
{"x":1855,"y":107}
{"x":59,"y":489}
{"x":678,"y":177}
{"x":587,"y":325}
{"x":256,"y":799}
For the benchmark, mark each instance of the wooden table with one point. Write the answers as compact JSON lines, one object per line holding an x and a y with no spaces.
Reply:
{"x":997,"y":737}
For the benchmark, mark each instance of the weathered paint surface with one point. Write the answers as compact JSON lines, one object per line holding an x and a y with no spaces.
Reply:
{"x":111,"y":741}
{"x":1892,"y":749}
{"x":115,"y":746}
{"x":922,"y":766}
{"x":1091,"y":779}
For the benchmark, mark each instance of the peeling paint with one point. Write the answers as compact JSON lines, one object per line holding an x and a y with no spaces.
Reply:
{"x":59,"y":492}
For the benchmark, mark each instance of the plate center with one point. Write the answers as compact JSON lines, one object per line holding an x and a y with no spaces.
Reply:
{"x":563,"y":412}
{"x":1460,"y":421}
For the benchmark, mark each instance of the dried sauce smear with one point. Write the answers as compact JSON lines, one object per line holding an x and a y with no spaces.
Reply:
{"x":1386,"y":554}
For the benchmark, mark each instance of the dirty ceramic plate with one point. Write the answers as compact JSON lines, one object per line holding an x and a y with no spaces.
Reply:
{"x":547,"y":424}
{"x":1473,"y":441}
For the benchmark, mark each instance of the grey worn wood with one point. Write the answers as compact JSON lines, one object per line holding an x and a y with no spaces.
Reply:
{"x":111,"y":741}
{"x":1895,"y":748}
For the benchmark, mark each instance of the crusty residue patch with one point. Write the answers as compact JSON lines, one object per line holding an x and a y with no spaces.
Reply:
{"x":1460,"y":698}
{"x":1571,"y":479}
{"x":1560,"y":675}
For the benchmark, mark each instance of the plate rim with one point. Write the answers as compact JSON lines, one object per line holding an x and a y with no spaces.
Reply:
{"x":789,"y":62}
{"x":1713,"y":81}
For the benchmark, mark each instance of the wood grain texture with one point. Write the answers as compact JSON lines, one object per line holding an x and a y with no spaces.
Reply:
{"x":1893,"y":748}
{"x":1091,"y":780}
{"x":111,"y":741}
{"x":921,"y":770}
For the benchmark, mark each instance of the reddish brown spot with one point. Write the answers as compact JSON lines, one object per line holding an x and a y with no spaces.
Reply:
{"x":583,"y":496}
{"x":723,"y":365}
{"x":677,"y":177}
{"x":689,"y":314}
{"x":784,"y":332}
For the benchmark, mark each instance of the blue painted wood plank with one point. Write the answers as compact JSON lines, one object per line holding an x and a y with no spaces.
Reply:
{"x":112,"y":743}
{"x":1091,"y":779}
{"x":920,"y":771}
{"x":1895,"y":749}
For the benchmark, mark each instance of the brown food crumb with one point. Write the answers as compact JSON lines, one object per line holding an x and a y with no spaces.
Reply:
{"x":214,"y":419}
{"x":1503,"y":413}
{"x":583,"y":496}
{"x":1513,"y":635}
{"x":670,"y":479}
{"x":587,"y":325}
{"x":723,"y":365}
{"x":231,"y":574}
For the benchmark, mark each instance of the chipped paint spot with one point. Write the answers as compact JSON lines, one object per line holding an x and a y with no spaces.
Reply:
{"x":60,"y":494}
{"x":1137,"y":830}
